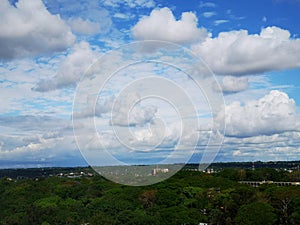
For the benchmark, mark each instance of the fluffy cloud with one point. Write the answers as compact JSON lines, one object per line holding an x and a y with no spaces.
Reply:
{"x":35,"y":139}
{"x":272,"y":114}
{"x":162,"y":25}
{"x":281,"y":146}
{"x":92,"y":110}
{"x":240,"y":53}
{"x":78,"y":25}
{"x":71,"y":69}
{"x":29,"y":29}
{"x":234,"y":84}
{"x":127,"y":112}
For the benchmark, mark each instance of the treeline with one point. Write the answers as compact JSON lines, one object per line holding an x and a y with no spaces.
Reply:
{"x":42,"y":172}
{"x":189,"y":197}
{"x":288,"y":165}
{"x":263,"y":174}
{"x":259,"y":164}
{"x":219,"y":166}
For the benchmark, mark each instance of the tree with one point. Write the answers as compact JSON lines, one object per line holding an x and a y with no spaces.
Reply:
{"x":243,"y":195}
{"x":242,"y":174}
{"x":148,"y":198}
{"x":256,"y":214}
{"x":101,"y":219}
{"x":284,"y":200}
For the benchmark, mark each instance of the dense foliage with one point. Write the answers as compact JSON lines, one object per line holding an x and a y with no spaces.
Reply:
{"x":189,"y":197}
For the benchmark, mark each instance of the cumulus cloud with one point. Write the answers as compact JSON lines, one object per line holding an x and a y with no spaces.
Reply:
{"x":272,"y":114}
{"x":81,"y":26}
{"x":39,"y":152}
{"x":280,"y":146}
{"x":127,"y":111}
{"x":102,"y":140}
{"x":97,"y":110}
{"x":32,"y":137}
{"x":156,"y":137}
{"x":234,"y":84}
{"x":71,"y":69}
{"x":240,"y":53}
{"x":162,"y":25}
{"x":31,"y":146}
{"x":28,"y":29}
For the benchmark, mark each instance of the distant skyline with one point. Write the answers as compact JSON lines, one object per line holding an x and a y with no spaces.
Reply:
{"x":251,"y":47}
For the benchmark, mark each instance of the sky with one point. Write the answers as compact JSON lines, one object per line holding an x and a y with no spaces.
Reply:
{"x":110,"y":82}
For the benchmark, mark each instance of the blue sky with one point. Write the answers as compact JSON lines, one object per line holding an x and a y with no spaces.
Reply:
{"x":53,"y":56}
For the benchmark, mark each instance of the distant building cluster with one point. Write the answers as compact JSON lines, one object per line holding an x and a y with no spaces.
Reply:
{"x":159,"y":170}
{"x":209,"y":170}
{"x":75,"y":175}
{"x":68,"y":175}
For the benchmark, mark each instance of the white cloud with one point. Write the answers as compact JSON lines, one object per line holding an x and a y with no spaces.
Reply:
{"x":281,"y":146}
{"x":130,"y":3}
{"x":240,"y":53}
{"x":234,"y":84}
{"x":207,"y":4}
{"x":127,"y":112}
{"x":209,"y":14}
{"x":218,"y":22}
{"x":30,"y":123}
{"x":97,"y":110}
{"x":29,"y":29}
{"x":272,"y":114}
{"x":158,"y":137}
{"x":88,"y":13}
{"x":232,"y":16}
{"x":123,"y":16}
{"x":71,"y":69}
{"x":102,"y":140}
{"x":17,"y":97}
{"x":162,"y":25}
{"x":35,"y":139}
{"x":78,"y":25}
